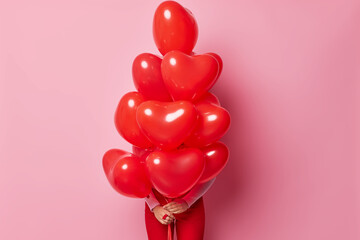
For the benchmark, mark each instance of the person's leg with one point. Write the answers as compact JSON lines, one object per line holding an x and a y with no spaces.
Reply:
{"x":190,"y":225}
{"x":155,"y":230}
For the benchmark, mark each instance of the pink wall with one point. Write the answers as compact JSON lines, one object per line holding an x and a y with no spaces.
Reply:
{"x":290,"y":79}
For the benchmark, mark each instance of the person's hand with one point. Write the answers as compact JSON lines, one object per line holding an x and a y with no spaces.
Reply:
{"x":177,"y":206}
{"x":159,"y":213}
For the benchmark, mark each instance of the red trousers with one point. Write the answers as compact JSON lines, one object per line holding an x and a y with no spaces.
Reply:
{"x":189,"y":225}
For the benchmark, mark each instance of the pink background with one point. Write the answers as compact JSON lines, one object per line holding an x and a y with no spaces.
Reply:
{"x":290,"y":80}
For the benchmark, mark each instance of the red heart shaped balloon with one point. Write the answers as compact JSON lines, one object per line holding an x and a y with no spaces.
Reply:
{"x":216,"y":157}
{"x":218,"y":59}
{"x":174,"y":28}
{"x":188,"y":77}
{"x":146,"y":71}
{"x":126,"y":173}
{"x":125,"y":120}
{"x":214,"y":121}
{"x":167,"y":124}
{"x":176,"y":172}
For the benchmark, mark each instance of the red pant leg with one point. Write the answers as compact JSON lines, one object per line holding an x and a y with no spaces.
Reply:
{"x":155,"y":230}
{"x":190,"y":225}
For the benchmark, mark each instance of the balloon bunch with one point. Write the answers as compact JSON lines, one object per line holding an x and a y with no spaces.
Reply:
{"x":172,"y":121}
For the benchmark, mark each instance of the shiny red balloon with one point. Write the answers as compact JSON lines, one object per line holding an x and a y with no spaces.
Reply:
{"x":188,"y":77}
{"x":216,"y":158}
{"x":125,"y":120}
{"x":174,"y":28}
{"x":217,"y":57}
{"x":126,"y":173}
{"x":167,"y":124}
{"x":214,"y":121}
{"x":220,"y":62}
{"x":146,"y":72}
{"x":176,"y":172}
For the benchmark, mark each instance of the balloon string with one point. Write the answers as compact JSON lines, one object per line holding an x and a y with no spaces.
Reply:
{"x":169,"y":232}
{"x":169,"y":225}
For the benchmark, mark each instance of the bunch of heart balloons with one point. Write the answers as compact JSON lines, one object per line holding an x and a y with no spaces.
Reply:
{"x":172,"y":120}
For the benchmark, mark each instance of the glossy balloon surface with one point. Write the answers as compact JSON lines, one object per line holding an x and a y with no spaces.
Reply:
{"x":174,"y":28}
{"x":173,"y":122}
{"x":219,"y":60}
{"x":126,"y":173}
{"x":146,"y":72}
{"x":214,"y":121}
{"x":167,"y":124}
{"x":188,"y":77}
{"x":175,"y":172}
{"x":216,"y":158}
{"x":125,"y":120}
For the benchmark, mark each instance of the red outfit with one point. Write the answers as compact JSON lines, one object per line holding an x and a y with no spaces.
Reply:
{"x":190,"y":224}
